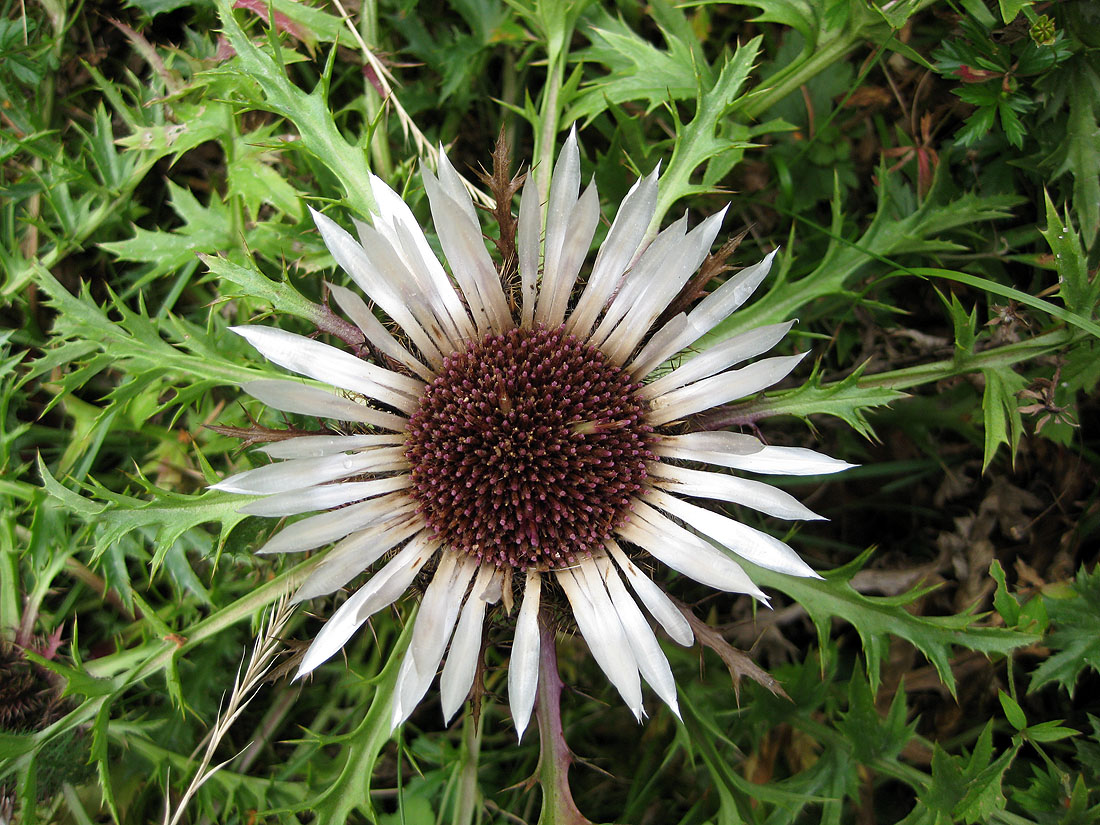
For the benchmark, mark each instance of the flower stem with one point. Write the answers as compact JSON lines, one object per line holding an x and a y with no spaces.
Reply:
{"x":558,"y":807}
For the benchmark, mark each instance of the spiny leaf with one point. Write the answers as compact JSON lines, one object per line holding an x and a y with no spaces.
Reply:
{"x":1080,"y":151}
{"x":205,"y":229}
{"x":351,"y":788}
{"x":1076,"y":289}
{"x":845,"y":399}
{"x":1076,"y":637}
{"x":1001,"y":411}
{"x":877,"y":619}
{"x":639,"y":70}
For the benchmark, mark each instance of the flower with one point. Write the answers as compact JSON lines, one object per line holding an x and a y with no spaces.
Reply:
{"x":523,"y":441}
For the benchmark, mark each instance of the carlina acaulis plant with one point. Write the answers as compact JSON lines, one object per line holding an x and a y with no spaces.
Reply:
{"x":523,"y":440}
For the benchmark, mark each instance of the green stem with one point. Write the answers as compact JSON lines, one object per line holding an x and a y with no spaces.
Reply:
{"x":467,"y":795}
{"x":995,"y":358}
{"x":816,"y":60}
{"x":548,"y":123}
{"x":379,"y":145}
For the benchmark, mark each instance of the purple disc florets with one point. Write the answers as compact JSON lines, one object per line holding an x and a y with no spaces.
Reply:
{"x":527,"y":448}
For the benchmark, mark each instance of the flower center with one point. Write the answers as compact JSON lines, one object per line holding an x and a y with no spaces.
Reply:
{"x":527,"y":448}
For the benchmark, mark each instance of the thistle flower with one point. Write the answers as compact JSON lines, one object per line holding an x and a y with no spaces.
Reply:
{"x":523,"y":441}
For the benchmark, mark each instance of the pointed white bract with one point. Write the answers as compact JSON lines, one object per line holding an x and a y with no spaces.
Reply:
{"x":310,"y":446}
{"x":324,"y":497}
{"x":656,"y":601}
{"x":462,"y":658}
{"x":752,"y":545}
{"x":616,"y":253}
{"x":523,"y":667}
{"x":600,"y":626}
{"x":381,"y":590}
{"x":294,"y":397}
{"x":356,"y":308}
{"x":724,"y":487}
{"x":651,"y":661}
{"x":434,"y":625}
{"x":717,"y":358}
{"x":299,"y":473}
{"x":370,"y":486}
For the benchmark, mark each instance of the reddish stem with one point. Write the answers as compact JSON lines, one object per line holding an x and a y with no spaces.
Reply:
{"x":558,"y":807}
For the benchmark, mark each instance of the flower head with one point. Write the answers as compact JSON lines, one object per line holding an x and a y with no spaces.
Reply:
{"x":523,"y":443}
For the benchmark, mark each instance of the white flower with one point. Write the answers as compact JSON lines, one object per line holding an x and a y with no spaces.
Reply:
{"x":523,"y":443}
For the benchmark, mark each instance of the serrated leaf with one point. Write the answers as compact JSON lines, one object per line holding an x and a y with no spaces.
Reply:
{"x":1001,"y":411}
{"x":309,"y":112}
{"x":100,"y":756}
{"x":984,"y":794}
{"x":803,"y":16}
{"x":1003,"y":601}
{"x":873,"y":737}
{"x":137,"y":342}
{"x":256,"y":183}
{"x":846,"y":399}
{"x":847,"y":259}
{"x":205,"y":229}
{"x":1075,"y":288}
{"x":170,"y":515}
{"x":1076,"y":636}
{"x":638,"y":70}
{"x":965,"y":789}
{"x":711,"y":135}
{"x":360,"y":751}
{"x":248,"y":280}
{"x":1011,"y":8}
{"x":70,"y":500}
{"x":193,"y":126}
{"x":877,"y":619}
{"x":1080,"y":150}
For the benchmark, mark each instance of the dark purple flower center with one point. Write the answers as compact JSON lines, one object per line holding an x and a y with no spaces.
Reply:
{"x":527,"y":448}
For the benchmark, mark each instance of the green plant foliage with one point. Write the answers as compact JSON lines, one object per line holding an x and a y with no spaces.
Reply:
{"x":1074,"y":616}
{"x":928,"y":171}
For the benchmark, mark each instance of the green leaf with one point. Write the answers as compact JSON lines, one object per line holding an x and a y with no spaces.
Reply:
{"x":249,"y":281}
{"x":845,"y":399}
{"x":1011,"y":8}
{"x":1054,"y":310}
{"x":1003,"y":601}
{"x":1080,"y":149}
{"x":1079,"y":293}
{"x":1013,"y":712}
{"x":194,"y":124}
{"x":892,"y":232}
{"x":639,"y":71}
{"x":168,"y":516}
{"x":205,"y":229}
{"x":966,"y":790}
{"x":70,"y":500}
{"x":710,"y":135}
{"x":878,"y":619}
{"x":1001,"y":411}
{"x":360,"y":751}
{"x":872,"y":736}
{"x":965,"y":323}
{"x":1076,"y":636}
{"x":310,"y":113}
{"x":1051,"y":731}
{"x":256,"y":183}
